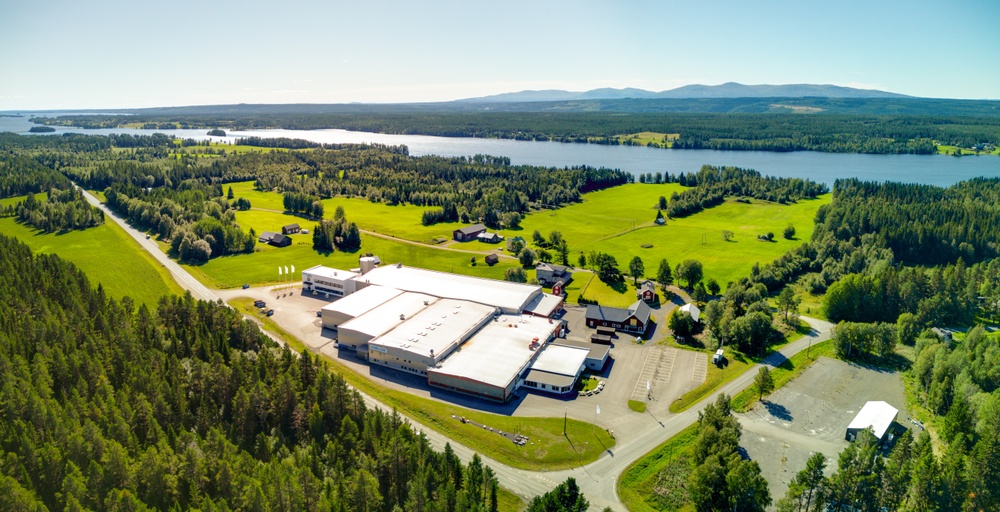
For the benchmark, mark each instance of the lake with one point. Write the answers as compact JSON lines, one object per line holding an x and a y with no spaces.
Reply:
{"x":821,"y":167}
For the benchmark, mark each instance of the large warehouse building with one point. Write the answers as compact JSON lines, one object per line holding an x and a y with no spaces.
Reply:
{"x":476,"y":336}
{"x":511,"y":298}
{"x":491,"y":364}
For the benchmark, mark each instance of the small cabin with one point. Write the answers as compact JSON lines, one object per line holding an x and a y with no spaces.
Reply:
{"x":290,"y":229}
{"x":491,"y":259}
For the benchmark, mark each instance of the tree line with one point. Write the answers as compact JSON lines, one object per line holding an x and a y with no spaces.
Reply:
{"x":711,"y":185}
{"x":859,"y":132}
{"x":62,"y":210}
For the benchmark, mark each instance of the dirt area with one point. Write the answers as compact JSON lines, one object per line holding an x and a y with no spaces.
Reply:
{"x":811,"y":414}
{"x":671,"y":372}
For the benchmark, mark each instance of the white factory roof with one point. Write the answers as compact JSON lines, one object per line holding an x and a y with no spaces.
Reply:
{"x":544,"y":304}
{"x":363,"y":300}
{"x":499,"y":351}
{"x":437,"y":328}
{"x":385,"y":317}
{"x":332,"y":273}
{"x":561,"y":360}
{"x":877,"y":415}
{"x":510,"y":297}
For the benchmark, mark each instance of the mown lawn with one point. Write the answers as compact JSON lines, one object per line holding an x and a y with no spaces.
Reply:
{"x":700,"y":237}
{"x":106,"y":254}
{"x":600,"y":215}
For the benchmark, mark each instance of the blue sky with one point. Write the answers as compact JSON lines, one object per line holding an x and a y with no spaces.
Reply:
{"x":109,"y":54}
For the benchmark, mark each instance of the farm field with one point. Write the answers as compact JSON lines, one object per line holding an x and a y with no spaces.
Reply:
{"x":617,"y":221}
{"x":129,"y":272}
{"x":262,"y":266}
{"x":401,"y":221}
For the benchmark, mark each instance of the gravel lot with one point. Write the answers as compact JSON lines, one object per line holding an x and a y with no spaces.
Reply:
{"x":811,"y":414}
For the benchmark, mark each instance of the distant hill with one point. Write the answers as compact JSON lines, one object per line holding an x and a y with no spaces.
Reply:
{"x":726,"y":90}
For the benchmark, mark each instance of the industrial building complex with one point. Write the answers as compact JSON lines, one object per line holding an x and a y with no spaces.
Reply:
{"x":475,"y":336}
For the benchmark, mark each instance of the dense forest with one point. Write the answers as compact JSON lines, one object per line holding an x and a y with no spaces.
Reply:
{"x":106,"y":406}
{"x":858,"y":132}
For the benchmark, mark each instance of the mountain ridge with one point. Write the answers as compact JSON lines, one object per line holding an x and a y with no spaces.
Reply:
{"x":694,"y":91}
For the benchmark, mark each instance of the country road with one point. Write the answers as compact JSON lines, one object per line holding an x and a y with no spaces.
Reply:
{"x":597,"y":480}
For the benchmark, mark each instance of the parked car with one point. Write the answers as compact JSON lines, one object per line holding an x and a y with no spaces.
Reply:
{"x":270,"y":312}
{"x":147,"y":237}
{"x":319,"y":313}
{"x":245,"y":286}
{"x":259,"y":303}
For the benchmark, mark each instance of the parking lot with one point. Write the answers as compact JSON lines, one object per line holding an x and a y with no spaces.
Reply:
{"x":670,"y":371}
{"x":811,"y":414}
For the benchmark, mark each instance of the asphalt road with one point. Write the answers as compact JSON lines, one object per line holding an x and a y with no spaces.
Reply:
{"x":597,"y":480}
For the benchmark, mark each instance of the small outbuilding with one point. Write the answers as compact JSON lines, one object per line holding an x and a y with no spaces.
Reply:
{"x":878,"y":416}
{"x":491,"y":259}
{"x":490,"y":238}
{"x":468,"y":233}
{"x":290,"y":229}
{"x":279,"y":240}
{"x":692,"y":310}
{"x":646,"y":292}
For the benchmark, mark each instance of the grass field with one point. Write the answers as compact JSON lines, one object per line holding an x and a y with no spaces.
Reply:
{"x":106,"y":254}
{"x":402,"y":221}
{"x":658,"y":481}
{"x":661,"y":140}
{"x":548,"y":449}
{"x":617,"y":221}
{"x":950,"y":150}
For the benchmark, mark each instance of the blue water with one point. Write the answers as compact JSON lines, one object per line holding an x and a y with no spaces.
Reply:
{"x":821,"y":167}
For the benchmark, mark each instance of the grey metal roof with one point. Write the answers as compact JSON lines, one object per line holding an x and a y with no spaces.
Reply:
{"x":639,"y":308}
{"x":552,"y":379}
{"x":468,"y":230}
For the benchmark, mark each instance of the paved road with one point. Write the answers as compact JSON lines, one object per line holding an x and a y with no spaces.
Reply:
{"x":183,"y":278}
{"x":597,"y":480}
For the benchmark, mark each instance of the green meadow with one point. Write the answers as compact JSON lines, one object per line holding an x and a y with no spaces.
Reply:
{"x":262,"y":265}
{"x":618,"y":221}
{"x":106,"y":253}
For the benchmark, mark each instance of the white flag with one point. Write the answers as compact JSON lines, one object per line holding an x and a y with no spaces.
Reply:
{"x":286,"y":270}
{"x":293,"y":269}
{"x":598,"y":409}
{"x":279,"y":271}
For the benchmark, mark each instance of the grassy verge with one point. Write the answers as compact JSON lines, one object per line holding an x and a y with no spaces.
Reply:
{"x":784,"y":373}
{"x":509,"y":502}
{"x":637,"y":406}
{"x":547,"y":450}
{"x":716,"y":377}
{"x":107,"y":255}
{"x":658,"y":481}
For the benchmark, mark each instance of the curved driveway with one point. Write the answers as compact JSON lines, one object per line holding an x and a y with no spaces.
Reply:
{"x":597,"y":480}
